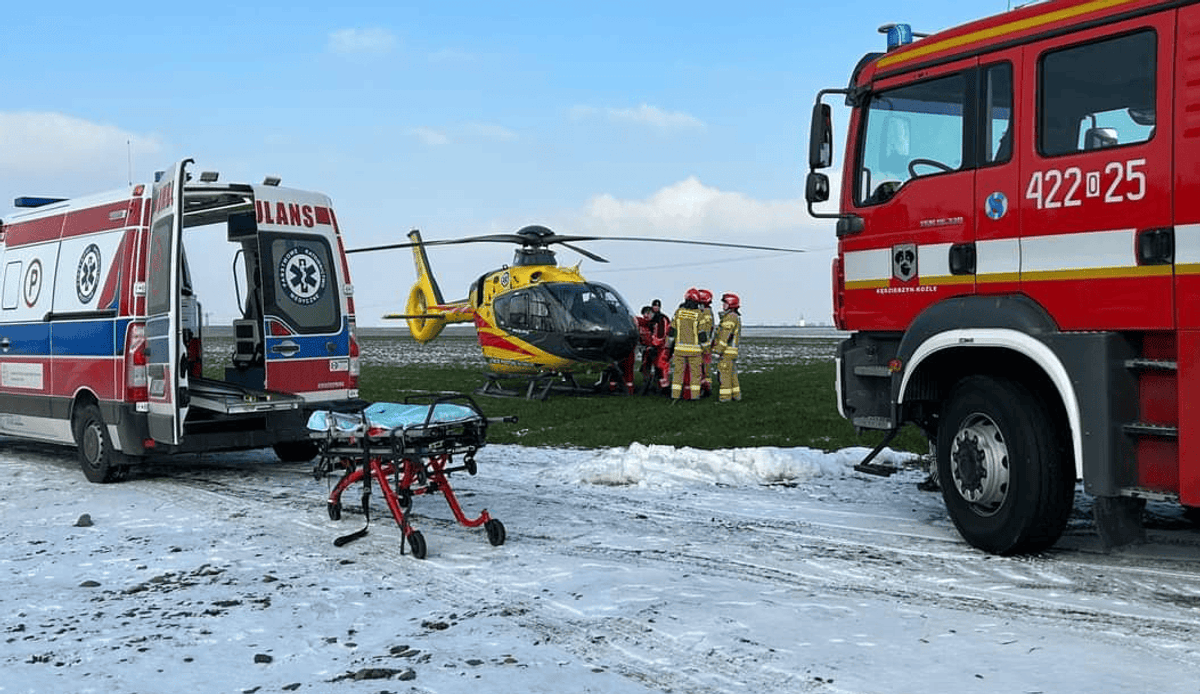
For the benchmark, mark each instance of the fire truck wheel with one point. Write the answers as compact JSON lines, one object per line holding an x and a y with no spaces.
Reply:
{"x":1006,"y":478}
{"x":416,"y":543}
{"x":495,"y":532}
{"x":296,"y":451}
{"x":95,"y":450}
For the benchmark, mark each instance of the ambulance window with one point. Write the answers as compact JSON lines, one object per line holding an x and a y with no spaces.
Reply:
{"x":997,"y":107}
{"x":911,"y":131}
{"x":1097,"y":95}
{"x":301,"y":283}
{"x":12,"y":285}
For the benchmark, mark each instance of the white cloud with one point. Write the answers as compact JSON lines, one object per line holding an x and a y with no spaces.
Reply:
{"x":34,"y":143}
{"x":431,"y":137}
{"x":690,"y":208}
{"x":370,"y":41}
{"x":644,"y":114}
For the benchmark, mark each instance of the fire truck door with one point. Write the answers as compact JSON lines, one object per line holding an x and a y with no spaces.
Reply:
{"x":997,"y":181}
{"x":167,"y":381}
{"x":914,"y":186}
{"x":1096,"y":198}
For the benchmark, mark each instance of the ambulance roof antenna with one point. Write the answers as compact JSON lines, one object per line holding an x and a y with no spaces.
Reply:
{"x":129,"y":154}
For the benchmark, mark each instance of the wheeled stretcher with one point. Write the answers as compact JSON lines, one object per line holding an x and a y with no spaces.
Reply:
{"x":408,"y":450}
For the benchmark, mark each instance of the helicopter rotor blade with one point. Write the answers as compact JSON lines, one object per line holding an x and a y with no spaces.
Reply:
{"x":690,"y":242}
{"x":498,"y":238}
{"x":582,"y":252}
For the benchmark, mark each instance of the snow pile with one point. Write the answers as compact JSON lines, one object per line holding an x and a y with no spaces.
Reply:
{"x":667,"y":466}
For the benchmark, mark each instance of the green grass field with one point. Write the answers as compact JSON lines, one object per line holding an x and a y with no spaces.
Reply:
{"x":786,"y":405}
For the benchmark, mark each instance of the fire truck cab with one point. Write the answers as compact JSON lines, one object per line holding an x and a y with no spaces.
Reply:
{"x":1018,"y":258}
{"x":102,"y":334}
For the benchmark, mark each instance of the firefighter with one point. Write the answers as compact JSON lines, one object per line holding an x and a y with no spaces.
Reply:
{"x":725,"y":346}
{"x":706,"y":348}
{"x":685,"y":338}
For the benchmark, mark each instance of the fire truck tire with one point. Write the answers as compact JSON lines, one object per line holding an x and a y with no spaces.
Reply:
{"x":416,"y":543}
{"x":296,"y":451}
{"x":96,"y":456}
{"x":1005,"y":475}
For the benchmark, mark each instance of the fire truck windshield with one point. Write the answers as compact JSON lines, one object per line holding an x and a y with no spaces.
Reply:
{"x":914,"y":130}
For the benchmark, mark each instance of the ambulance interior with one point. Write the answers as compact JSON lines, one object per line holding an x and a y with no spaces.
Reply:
{"x":230,"y":281}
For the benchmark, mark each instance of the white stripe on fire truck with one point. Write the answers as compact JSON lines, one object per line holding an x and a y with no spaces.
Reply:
{"x":1109,"y":253}
{"x":1187,"y":248}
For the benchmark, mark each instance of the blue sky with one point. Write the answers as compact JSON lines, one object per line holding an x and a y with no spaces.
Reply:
{"x":677,"y":119}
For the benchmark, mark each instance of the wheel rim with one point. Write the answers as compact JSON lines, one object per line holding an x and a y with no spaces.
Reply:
{"x":979,"y":464}
{"x":91,"y":444}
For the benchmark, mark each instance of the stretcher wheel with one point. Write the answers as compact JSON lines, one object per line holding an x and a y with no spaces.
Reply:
{"x":471,"y":465}
{"x":416,"y":543}
{"x":495,"y":532}
{"x":335,"y":510}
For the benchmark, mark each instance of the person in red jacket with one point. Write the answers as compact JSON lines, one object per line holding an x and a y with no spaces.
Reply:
{"x":658,"y":355}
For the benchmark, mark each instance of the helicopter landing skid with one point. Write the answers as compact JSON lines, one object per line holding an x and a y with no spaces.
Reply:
{"x":530,"y":386}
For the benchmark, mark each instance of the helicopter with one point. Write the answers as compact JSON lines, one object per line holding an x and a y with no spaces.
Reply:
{"x":532,"y":318}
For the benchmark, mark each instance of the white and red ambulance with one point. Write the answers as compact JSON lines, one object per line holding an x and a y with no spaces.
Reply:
{"x":101,"y":330}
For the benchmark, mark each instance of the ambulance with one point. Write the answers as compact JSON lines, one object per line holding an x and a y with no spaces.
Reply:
{"x":1018,"y":225}
{"x":103,"y":331}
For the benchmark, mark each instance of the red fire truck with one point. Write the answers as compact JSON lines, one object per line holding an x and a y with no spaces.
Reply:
{"x":1018,"y":251}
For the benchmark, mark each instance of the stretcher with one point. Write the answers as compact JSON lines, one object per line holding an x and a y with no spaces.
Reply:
{"x":407,"y":449}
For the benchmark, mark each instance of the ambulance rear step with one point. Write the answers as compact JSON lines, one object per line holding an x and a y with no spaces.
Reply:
{"x":229,"y":398}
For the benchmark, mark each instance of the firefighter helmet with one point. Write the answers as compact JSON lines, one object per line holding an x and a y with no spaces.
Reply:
{"x":705,"y":296}
{"x":692,"y":294}
{"x":731,"y":300}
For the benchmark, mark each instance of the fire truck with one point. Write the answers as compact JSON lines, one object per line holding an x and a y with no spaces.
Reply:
{"x":102,"y":334}
{"x":1018,"y":224}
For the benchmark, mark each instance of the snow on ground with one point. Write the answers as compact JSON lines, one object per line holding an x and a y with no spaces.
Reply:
{"x":641,"y":569}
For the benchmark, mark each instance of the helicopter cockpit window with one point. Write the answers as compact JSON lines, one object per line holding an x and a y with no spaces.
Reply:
{"x":527,"y":309}
{"x":588,"y":305}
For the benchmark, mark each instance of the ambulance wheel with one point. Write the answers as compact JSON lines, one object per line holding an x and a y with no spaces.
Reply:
{"x":296,"y":451}
{"x":96,"y":455}
{"x":1005,"y":473}
{"x":495,"y":532}
{"x":416,"y":543}
{"x":335,"y":510}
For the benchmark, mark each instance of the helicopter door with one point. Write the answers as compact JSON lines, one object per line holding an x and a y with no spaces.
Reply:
{"x":167,"y":380}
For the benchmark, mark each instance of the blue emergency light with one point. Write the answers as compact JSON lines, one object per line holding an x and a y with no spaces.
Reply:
{"x":897,"y":35}
{"x":31,"y":201}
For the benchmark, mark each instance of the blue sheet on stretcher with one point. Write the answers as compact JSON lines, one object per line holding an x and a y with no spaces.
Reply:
{"x":390,"y":415}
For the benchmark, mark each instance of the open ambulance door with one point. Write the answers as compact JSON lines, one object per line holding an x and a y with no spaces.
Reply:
{"x":168,"y":382}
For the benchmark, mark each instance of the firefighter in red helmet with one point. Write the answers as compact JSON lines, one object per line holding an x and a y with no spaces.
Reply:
{"x":706,"y":348}
{"x":685,"y":339}
{"x":725,"y":347}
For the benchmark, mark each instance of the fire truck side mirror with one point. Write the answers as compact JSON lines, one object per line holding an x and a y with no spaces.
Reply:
{"x":820,"y":138}
{"x":816,"y":188}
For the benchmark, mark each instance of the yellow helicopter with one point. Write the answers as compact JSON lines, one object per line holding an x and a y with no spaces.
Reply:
{"x":533,"y":318}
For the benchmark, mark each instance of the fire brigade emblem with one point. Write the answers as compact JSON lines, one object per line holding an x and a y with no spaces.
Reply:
{"x":996,"y":205}
{"x":87,"y":275}
{"x":33,"y":282}
{"x":302,"y":276}
{"x":904,"y":261}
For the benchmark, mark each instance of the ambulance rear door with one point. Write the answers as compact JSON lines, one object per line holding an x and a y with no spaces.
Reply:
{"x":306,"y":321}
{"x":167,"y":382}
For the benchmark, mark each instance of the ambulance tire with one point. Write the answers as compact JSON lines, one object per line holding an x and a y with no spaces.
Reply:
{"x":1005,"y":473}
{"x":296,"y":451}
{"x":96,"y":455}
